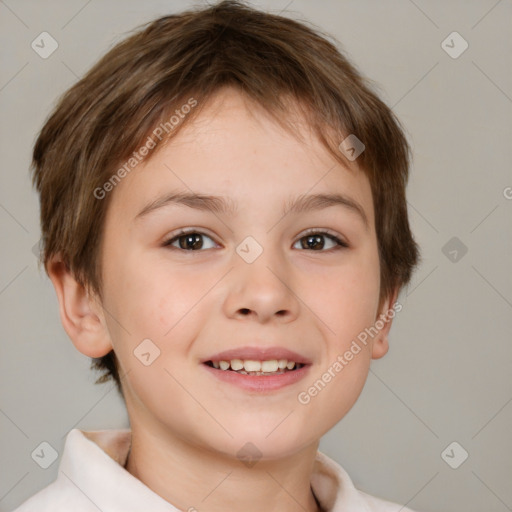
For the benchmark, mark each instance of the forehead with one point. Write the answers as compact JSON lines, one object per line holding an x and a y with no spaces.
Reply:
{"x":234,"y":148}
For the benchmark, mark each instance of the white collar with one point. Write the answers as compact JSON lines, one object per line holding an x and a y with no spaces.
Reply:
{"x":92,"y":468}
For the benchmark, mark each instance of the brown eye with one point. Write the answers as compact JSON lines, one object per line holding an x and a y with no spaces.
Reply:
{"x":313,"y":242}
{"x":189,"y":241}
{"x":317,"y":241}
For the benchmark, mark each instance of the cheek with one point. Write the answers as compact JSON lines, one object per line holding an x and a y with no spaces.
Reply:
{"x":146,"y":295}
{"x":155,"y":300}
{"x":349,"y":306}
{"x":347,"y":299}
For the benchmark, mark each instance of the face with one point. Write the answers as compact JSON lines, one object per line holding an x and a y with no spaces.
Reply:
{"x":256,"y":273}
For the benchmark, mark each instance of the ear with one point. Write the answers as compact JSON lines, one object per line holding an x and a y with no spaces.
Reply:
{"x":80,"y":313}
{"x":380,"y":344}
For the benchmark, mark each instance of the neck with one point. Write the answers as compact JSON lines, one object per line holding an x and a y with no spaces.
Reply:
{"x":193,"y":478}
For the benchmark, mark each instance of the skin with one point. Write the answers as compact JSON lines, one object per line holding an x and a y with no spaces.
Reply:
{"x":187,"y":426}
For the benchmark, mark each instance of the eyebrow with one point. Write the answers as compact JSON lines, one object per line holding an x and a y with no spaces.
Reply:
{"x":222,"y":205}
{"x":307,"y":203}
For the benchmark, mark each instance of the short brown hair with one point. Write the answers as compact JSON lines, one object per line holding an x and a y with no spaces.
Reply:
{"x":114,"y":108}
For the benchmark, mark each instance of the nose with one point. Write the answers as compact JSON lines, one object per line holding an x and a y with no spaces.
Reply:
{"x":262,"y":291}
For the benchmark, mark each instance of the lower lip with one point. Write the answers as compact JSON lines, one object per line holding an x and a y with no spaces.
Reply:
{"x":259,"y":383}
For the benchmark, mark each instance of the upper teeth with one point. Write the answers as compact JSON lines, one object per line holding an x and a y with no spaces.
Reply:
{"x":255,"y":366}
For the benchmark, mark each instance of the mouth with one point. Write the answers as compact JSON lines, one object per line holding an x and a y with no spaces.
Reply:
{"x":258,"y":371}
{"x":256,"y":368}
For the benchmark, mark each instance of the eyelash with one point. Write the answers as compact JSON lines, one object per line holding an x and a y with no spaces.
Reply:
{"x":340,"y":243}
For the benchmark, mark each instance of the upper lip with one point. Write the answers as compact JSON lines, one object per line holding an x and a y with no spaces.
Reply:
{"x":258,"y":354}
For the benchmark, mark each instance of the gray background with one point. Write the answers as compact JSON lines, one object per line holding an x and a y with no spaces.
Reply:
{"x":447,"y":375}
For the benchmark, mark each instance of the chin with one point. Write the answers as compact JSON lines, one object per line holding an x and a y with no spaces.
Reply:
{"x":276,"y":442}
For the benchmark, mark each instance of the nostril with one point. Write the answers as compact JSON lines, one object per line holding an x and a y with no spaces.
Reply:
{"x":245,"y":311}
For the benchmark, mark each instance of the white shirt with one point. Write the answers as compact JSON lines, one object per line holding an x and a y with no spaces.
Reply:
{"x":92,"y":478}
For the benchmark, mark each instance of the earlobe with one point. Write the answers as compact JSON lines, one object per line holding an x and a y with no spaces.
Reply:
{"x":81,"y":316}
{"x":383,"y":322}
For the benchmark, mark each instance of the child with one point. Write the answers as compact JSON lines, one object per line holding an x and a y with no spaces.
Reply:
{"x":225,"y":225}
